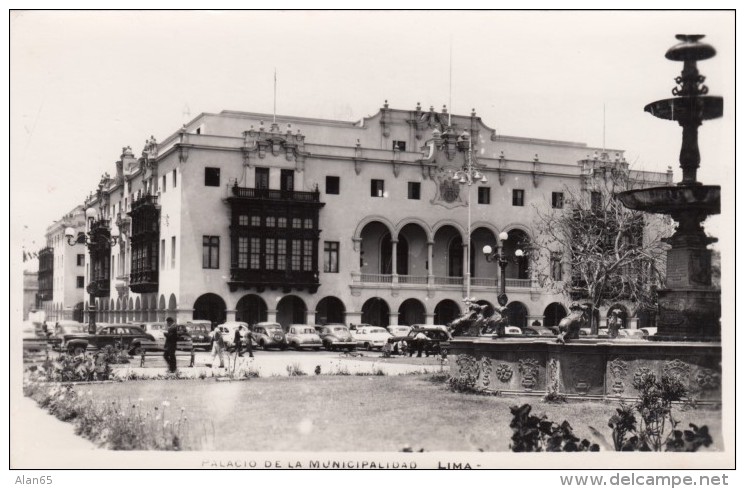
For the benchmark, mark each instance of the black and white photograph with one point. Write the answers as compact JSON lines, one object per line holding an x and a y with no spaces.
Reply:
{"x":325,"y":239}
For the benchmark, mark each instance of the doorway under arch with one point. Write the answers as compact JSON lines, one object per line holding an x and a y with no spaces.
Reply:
{"x":291,"y":310}
{"x":446,"y":311}
{"x":251,"y":309}
{"x":517,"y":314}
{"x":553,"y":314}
{"x":411,"y":312}
{"x":375,"y":311}
{"x":211,"y":307}
{"x":330,"y":310}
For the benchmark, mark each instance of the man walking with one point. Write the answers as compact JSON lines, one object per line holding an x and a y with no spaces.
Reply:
{"x":218,"y":348}
{"x":170,"y":346}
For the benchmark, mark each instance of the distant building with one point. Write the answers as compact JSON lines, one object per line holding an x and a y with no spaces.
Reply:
{"x":236,"y":217}
{"x":62,"y":270}
{"x":30,"y":292}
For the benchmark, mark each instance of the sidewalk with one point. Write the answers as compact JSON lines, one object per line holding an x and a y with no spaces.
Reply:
{"x":36,"y":436}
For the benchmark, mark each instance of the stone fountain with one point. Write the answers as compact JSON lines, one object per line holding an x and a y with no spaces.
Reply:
{"x":688,"y":345}
{"x":689,"y":307}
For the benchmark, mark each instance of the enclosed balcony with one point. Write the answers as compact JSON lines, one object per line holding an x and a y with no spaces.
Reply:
{"x":274,"y":194}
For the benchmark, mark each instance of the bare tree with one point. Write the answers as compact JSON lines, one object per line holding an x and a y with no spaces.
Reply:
{"x":611,"y":253}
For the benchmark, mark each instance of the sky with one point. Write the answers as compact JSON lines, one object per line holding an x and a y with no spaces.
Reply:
{"x":86,"y":84}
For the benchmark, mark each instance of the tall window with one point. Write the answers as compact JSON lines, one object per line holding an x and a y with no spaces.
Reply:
{"x":377,"y":188}
{"x":596,"y":200}
{"x":557,"y":200}
{"x":484,"y":195}
{"x":307,"y":255}
{"x":556,"y":266}
{"x":210,"y":251}
{"x":162,"y":254}
{"x":173,"y":251}
{"x":270,"y":253}
{"x":255,"y":260}
{"x":211,"y":177}
{"x":242,"y":252}
{"x":287,"y":180}
{"x":262,"y":178}
{"x":415,"y":190}
{"x":80,"y":260}
{"x":81,"y":281}
{"x":296,"y":255}
{"x":164,"y":184}
{"x":331,"y":256}
{"x":332,"y":185}
{"x":174,"y":178}
{"x":518,"y":197}
{"x":281,"y":254}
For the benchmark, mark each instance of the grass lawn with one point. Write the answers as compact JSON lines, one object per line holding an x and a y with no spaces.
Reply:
{"x":355,"y":413}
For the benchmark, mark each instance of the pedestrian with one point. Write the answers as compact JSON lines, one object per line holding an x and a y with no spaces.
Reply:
{"x":218,"y":348}
{"x":171,"y":335}
{"x":247,"y":342}
{"x":237,"y":343}
{"x":420,"y":340}
{"x":614,"y":324}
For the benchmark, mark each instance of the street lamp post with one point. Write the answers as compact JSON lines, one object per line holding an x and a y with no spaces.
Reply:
{"x":468,"y":175}
{"x":91,"y":241}
{"x":500,"y":257}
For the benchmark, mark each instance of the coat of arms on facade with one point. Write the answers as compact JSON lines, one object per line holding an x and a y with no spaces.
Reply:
{"x":448,"y":190}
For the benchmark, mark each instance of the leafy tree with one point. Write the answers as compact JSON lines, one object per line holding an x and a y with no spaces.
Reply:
{"x":612,"y":253}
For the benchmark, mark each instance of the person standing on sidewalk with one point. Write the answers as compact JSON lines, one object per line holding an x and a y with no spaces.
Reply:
{"x":237,"y":343}
{"x":218,"y":348}
{"x":171,"y":335}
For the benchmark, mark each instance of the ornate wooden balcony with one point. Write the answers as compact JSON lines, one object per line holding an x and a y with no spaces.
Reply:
{"x":273,"y":194}
{"x":144,"y":281}
{"x":99,"y":288}
{"x":273,"y":280}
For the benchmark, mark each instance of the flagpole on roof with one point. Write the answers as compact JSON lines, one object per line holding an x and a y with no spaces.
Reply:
{"x":274,"y":120}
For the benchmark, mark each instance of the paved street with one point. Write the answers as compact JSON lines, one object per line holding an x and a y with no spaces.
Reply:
{"x":275,"y":363}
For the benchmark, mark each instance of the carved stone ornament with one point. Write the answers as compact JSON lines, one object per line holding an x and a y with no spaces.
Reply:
{"x":553,"y":375}
{"x":529,"y":370}
{"x":618,"y":370}
{"x":448,"y":190}
{"x":467,"y":365}
{"x":582,"y":373}
{"x":486,"y":368}
{"x":679,"y":369}
{"x":641,"y":373}
{"x":708,"y":379}
{"x":503,"y":372}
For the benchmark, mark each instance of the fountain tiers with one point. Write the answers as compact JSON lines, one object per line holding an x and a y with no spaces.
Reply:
{"x":586,"y":368}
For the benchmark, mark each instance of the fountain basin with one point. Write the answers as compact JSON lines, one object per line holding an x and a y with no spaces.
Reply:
{"x":674,"y":199}
{"x":702,"y":107}
{"x":600,"y":369}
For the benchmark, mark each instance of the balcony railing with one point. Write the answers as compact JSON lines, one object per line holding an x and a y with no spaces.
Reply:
{"x":484,"y":282}
{"x":376,"y":278}
{"x":412,"y":279}
{"x":448,"y":280}
{"x":273,"y":194}
{"x":273,"y":279}
{"x":145,"y":200}
{"x":518,"y":282}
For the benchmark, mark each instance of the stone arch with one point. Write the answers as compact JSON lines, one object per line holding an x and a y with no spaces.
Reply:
{"x":484,"y":272}
{"x":519,"y":226}
{"x":162,"y":308}
{"x":449,"y":222}
{"x":415,"y":237}
{"x":414,"y":221}
{"x":370,"y":219}
{"x":78,"y":312}
{"x":330,"y":309}
{"x":211,"y":307}
{"x":376,"y":311}
{"x":517,"y":314}
{"x":153,"y":311}
{"x":291,"y":309}
{"x":411,"y":311}
{"x":251,"y":309}
{"x":446,"y":310}
{"x":137,"y":316}
{"x":385,"y":250}
{"x":172,"y":306}
{"x":623,"y":314}
{"x":553,"y":314}
{"x":130,"y":311}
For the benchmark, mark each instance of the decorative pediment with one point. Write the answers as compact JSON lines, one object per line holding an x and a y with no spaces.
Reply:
{"x":447,"y":191}
{"x":257,"y":143}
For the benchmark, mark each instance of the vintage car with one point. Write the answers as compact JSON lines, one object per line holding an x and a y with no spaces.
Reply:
{"x":336,"y":336}
{"x":303,"y":336}
{"x":132,"y":339}
{"x":371,"y":337}
{"x":64,"y":329}
{"x":158,"y":330}
{"x":537,"y":331}
{"x":227,"y":330}
{"x":634,"y":334}
{"x":33,"y":338}
{"x":398,"y":330}
{"x":269,"y":335}
{"x":199,"y":330}
{"x":431,"y":344}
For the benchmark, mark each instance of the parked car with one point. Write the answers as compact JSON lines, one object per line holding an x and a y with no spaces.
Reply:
{"x":431,"y":345}
{"x":269,"y":335}
{"x":132,"y":339}
{"x":371,"y":337}
{"x":200,"y":330}
{"x":398,"y":330}
{"x":65,"y":328}
{"x":158,"y":330}
{"x":336,"y":336}
{"x":537,"y":331}
{"x":635,"y":334}
{"x":648,"y":332}
{"x":227,"y":329}
{"x":303,"y":336}
{"x":33,"y":338}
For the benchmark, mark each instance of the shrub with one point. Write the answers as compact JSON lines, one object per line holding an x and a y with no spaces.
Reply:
{"x":533,"y":434}
{"x":655,"y":429}
{"x":294,"y":370}
{"x":439,"y":378}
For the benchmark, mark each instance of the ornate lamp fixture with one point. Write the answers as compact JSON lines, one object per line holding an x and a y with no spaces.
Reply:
{"x":502,"y":260}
